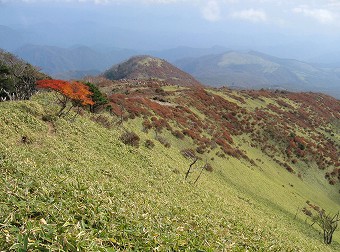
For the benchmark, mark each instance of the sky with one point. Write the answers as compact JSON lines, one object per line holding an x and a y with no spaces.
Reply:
{"x":292,"y":28}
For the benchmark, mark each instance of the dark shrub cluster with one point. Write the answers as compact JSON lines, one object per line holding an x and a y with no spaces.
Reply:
{"x":102,"y":120}
{"x":49,"y":118}
{"x":130,"y":138}
{"x":146,"y":125}
{"x":188,"y":153}
{"x":163,"y":141}
{"x":178,"y":134}
{"x":149,"y":144}
{"x":200,"y":149}
{"x":208,"y":167}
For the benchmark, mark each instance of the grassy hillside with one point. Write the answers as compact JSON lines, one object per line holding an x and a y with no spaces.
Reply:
{"x":72,"y":185}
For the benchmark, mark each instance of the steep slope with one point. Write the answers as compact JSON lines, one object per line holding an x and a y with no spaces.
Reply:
{"x":71,"y":184}
{"x":147,"y":67}
{"x":257,"y":70}
{"x":288,"y":127}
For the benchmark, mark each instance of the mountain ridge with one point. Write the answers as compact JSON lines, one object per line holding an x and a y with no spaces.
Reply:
{"x":290,"y":74}
{"x":257,"y":70}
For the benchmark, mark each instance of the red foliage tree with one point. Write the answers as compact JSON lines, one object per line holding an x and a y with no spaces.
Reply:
{"x":75,"y":92}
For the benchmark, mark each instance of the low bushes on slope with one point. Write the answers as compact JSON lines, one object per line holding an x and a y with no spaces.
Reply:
{"x":76,"y":187}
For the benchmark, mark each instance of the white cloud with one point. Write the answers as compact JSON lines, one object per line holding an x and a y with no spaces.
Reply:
{"x":333,"y":3}
{"x":164,"y":1}
{"x":211,"y":11}
{"x":321,"y":15}
{"x":250,"y":15}
{"x":63,"y":1}
{"x":102,"y":1}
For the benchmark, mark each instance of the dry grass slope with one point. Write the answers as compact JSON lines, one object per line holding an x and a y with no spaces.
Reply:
{"x":74,"y":186}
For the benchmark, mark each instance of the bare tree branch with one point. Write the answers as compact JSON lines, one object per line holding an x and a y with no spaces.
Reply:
{"x":188,"y":171}
{"x":203,"y":168}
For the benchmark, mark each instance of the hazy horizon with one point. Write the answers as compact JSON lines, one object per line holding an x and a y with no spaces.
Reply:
{"x":294,"y":29}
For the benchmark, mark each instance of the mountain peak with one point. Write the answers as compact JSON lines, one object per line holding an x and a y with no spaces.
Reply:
{"x":147,"y":67}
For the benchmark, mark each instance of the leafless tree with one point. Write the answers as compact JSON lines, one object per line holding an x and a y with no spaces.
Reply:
{"x":328,"y":223}
{"x":191,"y":169}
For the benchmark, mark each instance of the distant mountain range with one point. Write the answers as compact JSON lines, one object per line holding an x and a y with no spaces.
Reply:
{"x":214,"y":66}
{"x":257,"y":70}
{"x":65,"y":62}
{"x":11,"y":39}
{"x":174,"y":54}
{"x":79,"y":61}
